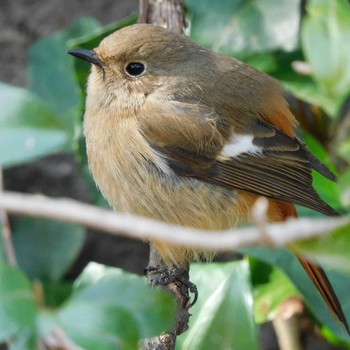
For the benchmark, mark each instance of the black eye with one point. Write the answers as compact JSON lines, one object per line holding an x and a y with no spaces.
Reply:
{"x":135,"y":69}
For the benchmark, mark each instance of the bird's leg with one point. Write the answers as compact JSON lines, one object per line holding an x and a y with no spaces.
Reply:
{"x":176,"y":281}
{"x":163,"y":276}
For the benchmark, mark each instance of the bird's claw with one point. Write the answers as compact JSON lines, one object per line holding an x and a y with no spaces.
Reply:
{"x":164,"y":276}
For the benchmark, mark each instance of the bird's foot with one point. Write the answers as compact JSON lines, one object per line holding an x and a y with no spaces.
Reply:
{"x":163,"y":276}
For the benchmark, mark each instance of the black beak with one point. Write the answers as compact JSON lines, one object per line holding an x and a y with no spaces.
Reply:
{"x":87,"y":55}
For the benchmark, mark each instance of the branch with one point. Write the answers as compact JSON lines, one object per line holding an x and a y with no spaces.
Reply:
{"x":141,"y":228}
{"x":164,"y":13}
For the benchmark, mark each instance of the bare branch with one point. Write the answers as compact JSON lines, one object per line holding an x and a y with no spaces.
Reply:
{"x":141,"y":228}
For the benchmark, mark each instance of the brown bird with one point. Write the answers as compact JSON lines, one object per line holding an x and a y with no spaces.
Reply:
{"x":182,"y":134}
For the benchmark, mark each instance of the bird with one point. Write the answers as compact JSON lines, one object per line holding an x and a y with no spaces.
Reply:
{"x":182,"y":134}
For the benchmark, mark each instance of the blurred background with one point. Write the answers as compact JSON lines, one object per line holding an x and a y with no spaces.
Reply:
{"x":265,"y":33}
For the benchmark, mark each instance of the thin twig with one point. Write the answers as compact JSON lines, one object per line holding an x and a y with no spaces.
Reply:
{"x":6,"y":229}
{"x":141,"y":228}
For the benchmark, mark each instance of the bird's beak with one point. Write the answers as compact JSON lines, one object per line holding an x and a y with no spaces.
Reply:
{"x":87,"y":55}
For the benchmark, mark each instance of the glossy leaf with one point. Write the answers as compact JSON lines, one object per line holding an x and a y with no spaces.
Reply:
{"x":95,"y":326}
{"x":291,"y":266}
{"x":46,"y":249}
{"x":325,"y":32}
{"x":17,"y":308}
{"x":20,"y":145}
{"x":28,"y":127}
{"x":20,"y":107}
{"x":222,"y":318}
{"x":245,"y":27}
{"x":110,"y":307}
{"x":330,"y":250}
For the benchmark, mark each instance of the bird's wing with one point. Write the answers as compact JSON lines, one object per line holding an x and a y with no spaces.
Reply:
{"x":262,"y":161}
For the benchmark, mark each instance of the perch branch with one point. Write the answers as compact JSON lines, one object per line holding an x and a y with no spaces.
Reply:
{"x":141,"y":228}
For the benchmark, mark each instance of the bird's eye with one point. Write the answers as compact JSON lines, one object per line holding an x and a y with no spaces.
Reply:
{"x":135,"y":69}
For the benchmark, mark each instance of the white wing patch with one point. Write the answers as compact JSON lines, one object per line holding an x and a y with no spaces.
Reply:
{"x":161,"y":163}
{"x":239,"y":144}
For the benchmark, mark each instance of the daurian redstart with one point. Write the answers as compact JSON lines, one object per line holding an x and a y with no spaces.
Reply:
{"x":179,"y":133}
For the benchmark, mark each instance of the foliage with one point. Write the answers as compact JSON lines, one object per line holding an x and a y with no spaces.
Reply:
{"x":108,"y":308}
{"x":223,"y":316}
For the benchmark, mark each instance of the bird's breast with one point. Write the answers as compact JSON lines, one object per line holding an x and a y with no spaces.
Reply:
{"x":134,"y":179}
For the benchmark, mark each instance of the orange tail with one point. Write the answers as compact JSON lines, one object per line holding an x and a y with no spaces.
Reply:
{"x":321,"y":281}
{"x":315,"y":272}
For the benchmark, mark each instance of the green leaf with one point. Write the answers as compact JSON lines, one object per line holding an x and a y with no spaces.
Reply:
{"x":271,"y":289}
{"x":25,"y":340}
{"x":110,"y":308}
{"x":17,"y":308}
{"x":108,"y":328}
{"x":28,"y":127}
{"x":20,"y":145}
{"x":280,"y":65}
{"x":291,"y":266}
{"x":325,"y":32}
{"x":56,"y":293}
{"x":327,"y":189}
{"x":245,"y":27}
{"x":46,"y":249}
{"x":222,"y":318}
{"x":20,"y":107}
{"x":51,"y":74}
{"x":329,"y":250}
{"x":318,"y":150}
